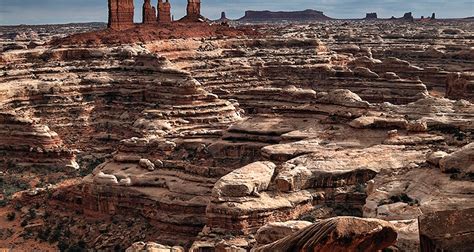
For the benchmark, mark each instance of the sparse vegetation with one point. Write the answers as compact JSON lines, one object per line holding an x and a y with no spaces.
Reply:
{"x":11,"y":216}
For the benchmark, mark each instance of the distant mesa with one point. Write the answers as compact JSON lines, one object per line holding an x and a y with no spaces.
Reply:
{"x":271,"y":16}
{"x":408,"y":16}
{"x":372,"y":15}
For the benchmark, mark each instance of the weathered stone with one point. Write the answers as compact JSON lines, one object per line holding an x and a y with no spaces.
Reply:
{"x":149,"y":13}
{"x":153,"y":247}
{"x":435,"y":157}
{"x":272,"y":232}
{"x":447,"y":230}
{"x":121,"y":14}
{"x":338,"y":234}
{"x":246,"y":181}
{"x":106,"y":179}
{"x":147,"y":164}
{"x":461,"y":161}
{"x":164,"y":12}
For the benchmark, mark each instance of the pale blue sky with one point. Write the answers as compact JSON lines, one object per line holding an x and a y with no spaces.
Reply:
{"x":65,"y":11}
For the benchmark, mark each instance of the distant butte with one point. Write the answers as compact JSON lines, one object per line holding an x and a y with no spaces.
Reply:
{"x":270,"y":16}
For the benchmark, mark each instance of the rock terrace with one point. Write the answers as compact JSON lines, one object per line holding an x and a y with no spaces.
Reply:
{"x":345,"y":135}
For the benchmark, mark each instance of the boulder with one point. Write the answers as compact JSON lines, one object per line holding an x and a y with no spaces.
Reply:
{"x":147,"y":164}
{"x":461,"y":161}
{"x":434,"y":157}
{"x":365,"y":73}
{"x":105,"y":179}
{"x":337,"y":234}
{"x":246,"y":181}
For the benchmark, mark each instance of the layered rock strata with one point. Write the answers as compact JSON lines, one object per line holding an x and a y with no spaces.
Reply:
{"x":24,"y":143}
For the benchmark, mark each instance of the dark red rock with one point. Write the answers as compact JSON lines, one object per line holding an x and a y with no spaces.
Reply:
{"x":121,"y":14}
{"x":164,"y":12}
{"x":447,"y":231}
{"x":194,"y":8}
{"x":149,"y":13}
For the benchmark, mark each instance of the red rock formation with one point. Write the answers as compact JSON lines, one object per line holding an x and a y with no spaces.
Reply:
{"x":194,"y":8}
{"x":121,"y":14}
{"x":193,"y":11}
{"x":164,"y":11}
{"x":447,"y":230}
{"x":338,"y":234}
{"x":149,"y":13}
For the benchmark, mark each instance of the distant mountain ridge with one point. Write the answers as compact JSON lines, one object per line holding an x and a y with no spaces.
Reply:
{"x":274,"y":16}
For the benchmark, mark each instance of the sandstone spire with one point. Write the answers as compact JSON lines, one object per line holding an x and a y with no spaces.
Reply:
{"x":164,"y":11}
{"x":194,"y":9}
{"x":121,"y":14}
{"x":149,"y":13}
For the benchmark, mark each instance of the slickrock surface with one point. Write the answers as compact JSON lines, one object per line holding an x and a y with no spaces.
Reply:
{"x":208,"y":136}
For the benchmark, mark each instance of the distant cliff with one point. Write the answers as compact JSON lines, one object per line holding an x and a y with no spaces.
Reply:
{"x":271,"y":16}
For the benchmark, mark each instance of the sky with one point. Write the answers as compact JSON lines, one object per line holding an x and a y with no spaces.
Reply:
{"x":68,"y":11}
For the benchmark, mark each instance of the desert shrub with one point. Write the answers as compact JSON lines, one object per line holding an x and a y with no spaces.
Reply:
{"x":11,"y":216}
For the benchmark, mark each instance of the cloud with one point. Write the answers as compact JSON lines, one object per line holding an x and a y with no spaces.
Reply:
{"x":65,"y":11}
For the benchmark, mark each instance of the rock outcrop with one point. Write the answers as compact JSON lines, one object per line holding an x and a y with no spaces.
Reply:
{"x":408,"y":17}
{"x":223,"y":18}
{"x":460,"y":162}
{"x":275,"y":231}
{"x":460,"y":86}
{"x":121,"y":14}
{"x":153,"y":247}
{"x":149,"y":13}
{"x":338,"y":234}
{"x":26,"y":143}
{"x":372,"y":15}
{"x":202,"y":142}
{"x":193,"y":12}
{"x":164,"y":12}
{"x":447,"y":230}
